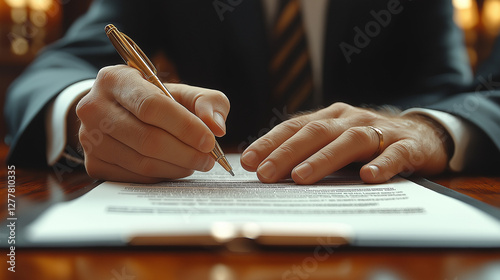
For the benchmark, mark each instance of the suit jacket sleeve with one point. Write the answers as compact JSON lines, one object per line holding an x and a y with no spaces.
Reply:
{"x":77,"y":56}
{"x":481,"y":108}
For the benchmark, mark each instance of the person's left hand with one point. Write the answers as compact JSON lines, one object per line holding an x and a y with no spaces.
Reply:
{"x":312,"y":146}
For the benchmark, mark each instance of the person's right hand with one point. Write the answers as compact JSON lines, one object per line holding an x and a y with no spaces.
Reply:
{"x":130,"y":131}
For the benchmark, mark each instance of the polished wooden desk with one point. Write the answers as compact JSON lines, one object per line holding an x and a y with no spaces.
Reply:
{"x":34,"y":187}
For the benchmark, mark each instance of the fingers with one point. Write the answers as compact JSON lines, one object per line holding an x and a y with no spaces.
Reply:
{"x":405,"y":157}
{"x":317,"y":150}
{"x":151,"y":106}
{"x":307,"y":141}
{"x":393,"y":161}
{"x":211,"y":106}
{"x":129,"y":125}
{"x":99,"y":169}
{"x":354,"y":145}
{"x":113,"y":153}
{"x":145,"y":140}
{"x":150,"y":141}
{"x":308,"y":148}
{"x":253,"y":156}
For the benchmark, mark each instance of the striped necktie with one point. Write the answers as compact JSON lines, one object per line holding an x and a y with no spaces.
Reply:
{"x":290,"y":67}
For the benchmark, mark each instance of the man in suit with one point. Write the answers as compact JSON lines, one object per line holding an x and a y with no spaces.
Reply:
{"x":468,"y":123}
{"x":405,"y":53}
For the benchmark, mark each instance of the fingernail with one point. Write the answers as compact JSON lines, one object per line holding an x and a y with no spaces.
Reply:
{"x":249,"y":158}
{"x":219,"y":120}
{"x":374,"y":170}
{"x":267,"y":170}
{"x":304,"y":170}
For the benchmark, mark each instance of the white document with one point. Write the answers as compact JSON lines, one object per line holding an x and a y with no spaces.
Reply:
{"x":396,"y":213}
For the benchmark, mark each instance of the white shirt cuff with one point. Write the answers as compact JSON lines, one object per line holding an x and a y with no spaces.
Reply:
{"x":55,"y":119}
{"x":460,"y":131}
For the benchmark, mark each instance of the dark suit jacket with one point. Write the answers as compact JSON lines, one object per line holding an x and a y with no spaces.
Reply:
{"x":414,"y":57}
{"x":480,"y":106}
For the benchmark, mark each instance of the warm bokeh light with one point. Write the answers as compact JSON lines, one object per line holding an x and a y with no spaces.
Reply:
{"x":462,"y":4}
{"x":38,"y":18}
{"x":29,"y":25}
{"x":19,"y":15}
{"x":19,"y":46}
{"x":491,"y":16}
{"x":466,"y":13}
{"x":41,"y":5}
{"x":16,"y":3}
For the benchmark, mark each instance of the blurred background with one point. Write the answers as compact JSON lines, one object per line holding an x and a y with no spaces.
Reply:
{"x":26,"y":26}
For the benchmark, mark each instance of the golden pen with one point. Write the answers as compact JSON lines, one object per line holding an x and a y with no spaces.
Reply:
{"x":135,"y":57}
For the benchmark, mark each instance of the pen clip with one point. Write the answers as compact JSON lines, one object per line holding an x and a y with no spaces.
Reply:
{"x":140,"y":52}
{"x":130,"y":52}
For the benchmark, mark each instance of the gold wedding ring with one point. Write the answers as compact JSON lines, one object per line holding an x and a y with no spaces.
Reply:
{"x":380,"y":140}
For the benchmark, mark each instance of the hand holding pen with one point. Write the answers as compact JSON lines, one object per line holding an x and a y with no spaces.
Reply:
{"x":131,"y":131}
{"x":135,"y":57}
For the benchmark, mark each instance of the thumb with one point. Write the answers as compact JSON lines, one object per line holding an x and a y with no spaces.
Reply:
{"x":213,"y":112}
{"x":211,"y":106}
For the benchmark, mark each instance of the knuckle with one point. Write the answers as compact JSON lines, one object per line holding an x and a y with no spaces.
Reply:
{"x":287,"y":153}
{"x":148,"y":140}
{"x":108,"y":75}
{"x":292,"y":125}
{"x":216,"y":97}
{"x":338,"y":107}
{"x":186,"y":127}
{"x":222,"y":99}
{"x":145,"y":167}
{"x":215,"y":93}
{"x":398,"y":161}
{"x":144,"y":104}
{"x":337,"y":110}
{"x":359,"y":135}
{"x":221,"y":96}
{"x":387,"y":162}
{"x":403,"y":149}
{"x":266,"y":143}
{"x":367,"y":117}
{"x":326,"y":157}
{"x":318,"y":128}
{"x":86,"y":107}
{"x":398,"y":157}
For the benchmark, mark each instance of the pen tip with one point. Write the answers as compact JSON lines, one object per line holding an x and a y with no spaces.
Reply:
{"x":231,"y":172}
